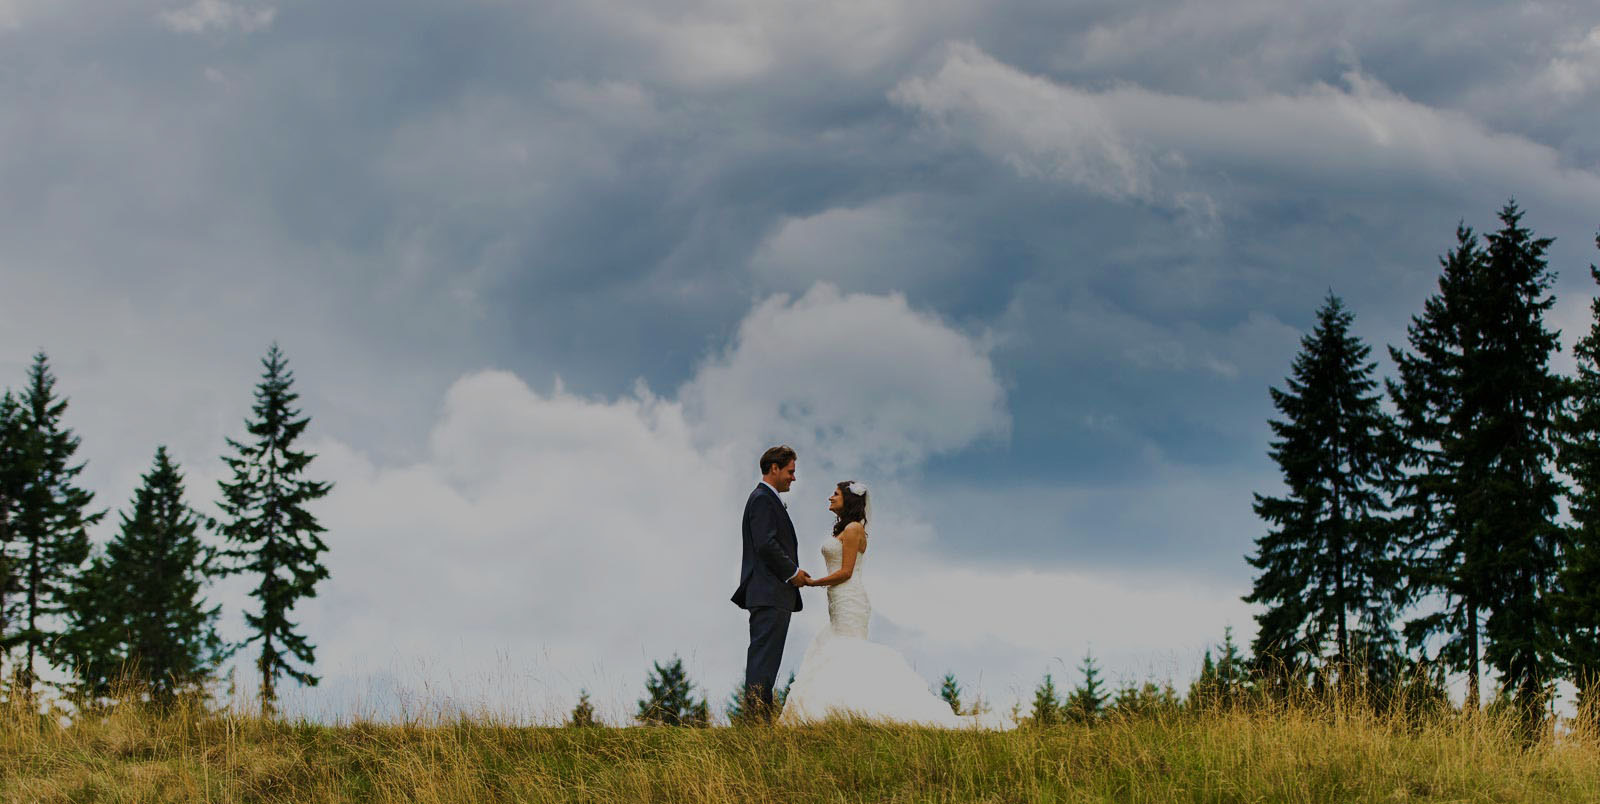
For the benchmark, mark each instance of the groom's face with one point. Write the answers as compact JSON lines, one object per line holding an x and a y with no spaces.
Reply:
{"x":783,"y":476}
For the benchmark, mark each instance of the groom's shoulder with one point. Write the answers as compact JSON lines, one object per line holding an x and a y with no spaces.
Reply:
{"x":758,"y":495}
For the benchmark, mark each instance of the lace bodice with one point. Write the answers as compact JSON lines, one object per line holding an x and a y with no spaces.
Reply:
{"x":849,"y":609}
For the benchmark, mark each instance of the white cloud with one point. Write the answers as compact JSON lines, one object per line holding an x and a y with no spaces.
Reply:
{"x":1143,"y":624}
{"x":536,"y":525}
{"x":1038,"y":128}
{"x":850,"y":376}
{"x":899,"y":242}
{"x":710,"y":44}
{"x":218,"y":15}
{"x":1131,"y":143}
{"x":1575,"y":72}
{"x":1237,"y":44}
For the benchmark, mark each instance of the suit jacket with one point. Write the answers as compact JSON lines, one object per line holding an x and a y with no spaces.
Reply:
{"x":771,"y":554}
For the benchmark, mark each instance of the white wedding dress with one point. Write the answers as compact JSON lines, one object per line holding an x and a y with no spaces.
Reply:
{"x":845,"y":675}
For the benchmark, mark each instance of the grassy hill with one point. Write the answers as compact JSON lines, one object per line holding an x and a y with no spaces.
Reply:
{"x":1291,"y":755}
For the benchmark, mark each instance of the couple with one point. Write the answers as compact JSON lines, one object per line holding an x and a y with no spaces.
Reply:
{"x":842,"y":674}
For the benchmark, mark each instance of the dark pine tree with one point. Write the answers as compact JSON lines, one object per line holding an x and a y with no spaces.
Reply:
{"x":1432,"y":403}
{"x":1523,"y":642}
{"x":12,"y":475}
{"x":147,"y":593}
{"x":583,"y":713}
{"x":1046,"y":703}
{"x":1145,"y":699}
{"x":1233,"y":669}
{"x":1088,"y":700}
{"x":270,"y":535}
{"x":669,"y":698}
{"x":1205,"y":691}
{"x":1478,"y":403}
{"x":1578,"y":601}
{"x":950,"y":691}
{"x":91,"y":643}
{"x":1224,"y":681}
{"x":49,"y":526}
{"x":1328,"y":568}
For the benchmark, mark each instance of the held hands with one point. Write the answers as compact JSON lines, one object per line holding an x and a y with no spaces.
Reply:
{"x":800,"y":579}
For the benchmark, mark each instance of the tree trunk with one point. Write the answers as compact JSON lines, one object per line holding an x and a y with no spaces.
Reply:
{"x":1340,"y":546}
{"x":268,"y":695}
{"x":33,"y":614}
{"x":1472,"y":660}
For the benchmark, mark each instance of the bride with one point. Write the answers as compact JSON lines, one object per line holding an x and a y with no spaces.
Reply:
{"x":843,"y":674}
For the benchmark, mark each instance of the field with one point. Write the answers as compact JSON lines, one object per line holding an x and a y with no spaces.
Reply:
{"x":1294,"y":755}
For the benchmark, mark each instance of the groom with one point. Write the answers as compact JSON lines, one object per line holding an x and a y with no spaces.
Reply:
{"x":769,"y":578}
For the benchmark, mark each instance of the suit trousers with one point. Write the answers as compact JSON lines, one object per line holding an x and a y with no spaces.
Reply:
{"x":769,"y":627}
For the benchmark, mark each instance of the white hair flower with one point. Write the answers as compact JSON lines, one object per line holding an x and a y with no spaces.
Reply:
{"x":857,"y":489}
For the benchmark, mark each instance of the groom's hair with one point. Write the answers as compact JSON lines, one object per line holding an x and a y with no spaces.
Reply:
{"x":780,"y":455}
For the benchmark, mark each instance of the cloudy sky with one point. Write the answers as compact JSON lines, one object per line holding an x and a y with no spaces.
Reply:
{"x":552,"y":275}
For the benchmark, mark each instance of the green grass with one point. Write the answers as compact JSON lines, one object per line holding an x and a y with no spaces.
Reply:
{"x":1267,"y":756}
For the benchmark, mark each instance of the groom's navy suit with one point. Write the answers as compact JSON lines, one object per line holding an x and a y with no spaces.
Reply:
{"x":771,"y":558}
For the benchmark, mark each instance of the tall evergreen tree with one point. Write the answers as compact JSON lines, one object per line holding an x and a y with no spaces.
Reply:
{"x":1432,"y":402}
{"x":145,"y":595}
{"x":1523,"y":640}
{"x":1046,"y":703}
{"x":271,"y":537}
{"x":49,"y":525}
{"x":669,"y":698}
{"x":1477,"y":403}
{"x":950,"y":691}
{"x":1088,"y":700}
{"x":1578,"y":601}
{"x":1329,"y":569}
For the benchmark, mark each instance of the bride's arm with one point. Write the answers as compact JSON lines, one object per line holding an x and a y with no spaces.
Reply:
{"x":850,"y":539}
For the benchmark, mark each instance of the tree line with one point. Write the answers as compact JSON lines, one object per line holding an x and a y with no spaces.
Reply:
{"x":1421,"y":526}
{"x":670,"y":698}
{"x":130,"y":618}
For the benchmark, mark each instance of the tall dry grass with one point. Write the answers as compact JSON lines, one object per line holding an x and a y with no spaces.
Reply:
{"x":1304,"y":751}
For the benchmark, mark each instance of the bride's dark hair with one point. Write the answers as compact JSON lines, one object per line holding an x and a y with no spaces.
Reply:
{"x":853,"y":510}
